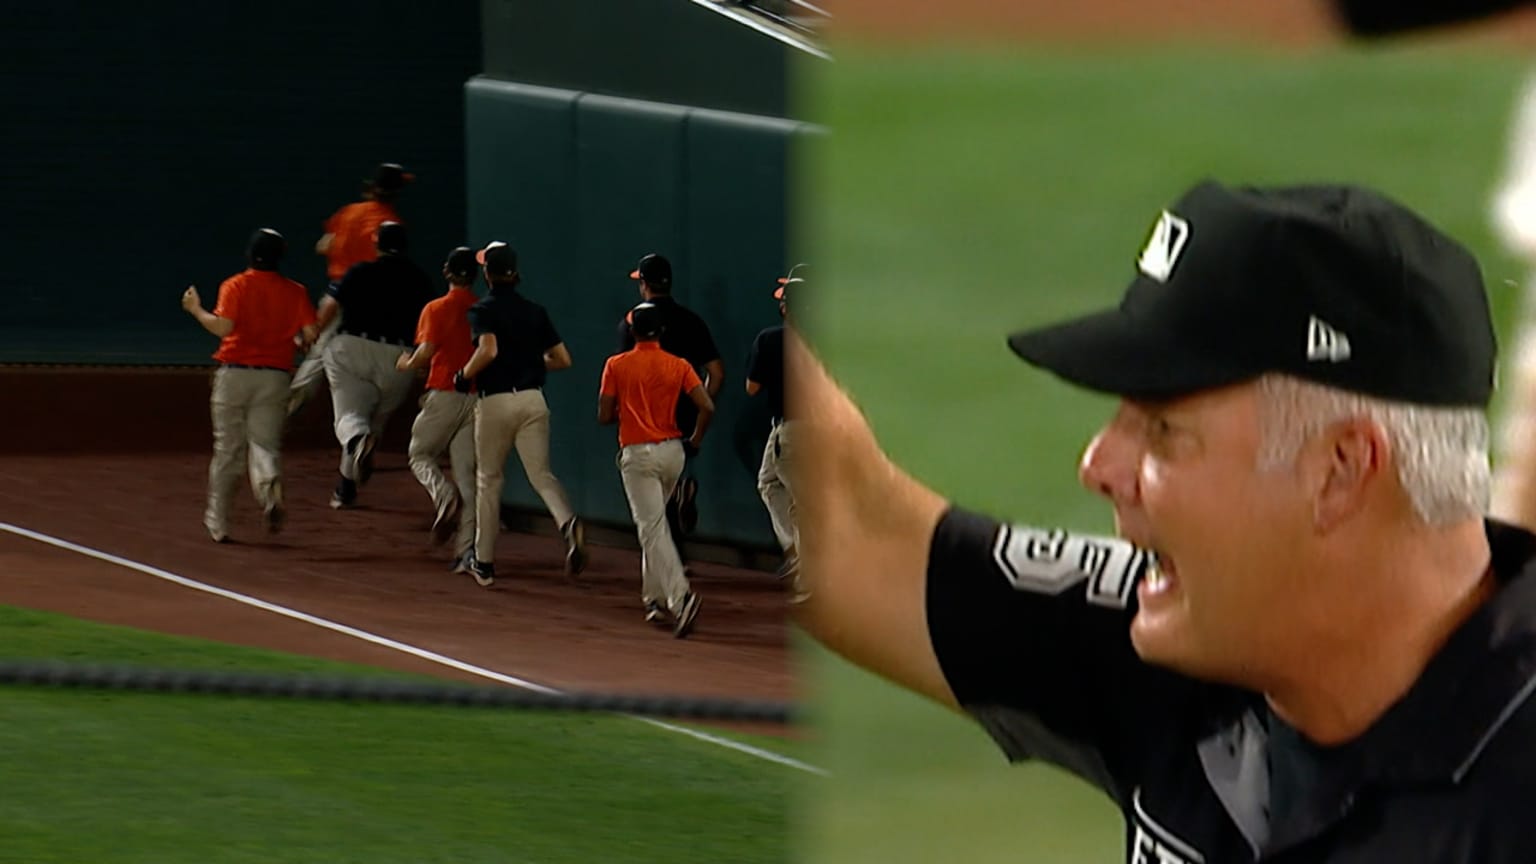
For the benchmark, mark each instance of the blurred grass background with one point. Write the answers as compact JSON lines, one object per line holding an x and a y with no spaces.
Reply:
{"x":969,"y":190}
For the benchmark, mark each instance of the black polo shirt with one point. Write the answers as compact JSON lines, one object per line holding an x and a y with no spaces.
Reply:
{"x":523,"y":334}
{"x":1031,"y":629}
{"x":687,"y":336}
{"x":382,"y":299}
{"x":766,"y":366}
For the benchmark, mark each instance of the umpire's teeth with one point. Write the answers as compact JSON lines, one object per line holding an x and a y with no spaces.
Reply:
{"x":1154,"y":575}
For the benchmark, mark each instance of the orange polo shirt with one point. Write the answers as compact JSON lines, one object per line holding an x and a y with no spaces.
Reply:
{"x":647,"y":381}
{"x":352,"y":229}
{"x":445,"y":323}
{"x":267,"y":309}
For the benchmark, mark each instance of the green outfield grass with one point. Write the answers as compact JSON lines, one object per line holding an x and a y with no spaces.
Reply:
{"x":966,"y":192}
{"x":114,"y":777}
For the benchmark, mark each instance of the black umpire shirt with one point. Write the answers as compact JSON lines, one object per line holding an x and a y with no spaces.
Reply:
{"x":685,"y":335}
{"x":1031,"y":628}
{"x":766,"y":367}
{"x":382,"y":299}
{"x":523,"y":334}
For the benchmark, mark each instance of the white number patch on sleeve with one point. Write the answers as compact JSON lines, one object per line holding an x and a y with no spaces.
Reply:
{"x":1051,"y":561}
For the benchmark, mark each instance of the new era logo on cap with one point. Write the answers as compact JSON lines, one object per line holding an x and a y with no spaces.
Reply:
{"x":1325,"y":343}
{"x":1164,"y":248}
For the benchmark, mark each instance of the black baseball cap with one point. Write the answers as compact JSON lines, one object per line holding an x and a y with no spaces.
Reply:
{"x":265,"y":249}
{"x":653,"y":269}
{"x":499,"y":259}
{"x":1336,"y":284}
{"x":391,"y":238}
{"x":645,"y":320}
{"x":391,"y":177}
{"x":462,"y":263}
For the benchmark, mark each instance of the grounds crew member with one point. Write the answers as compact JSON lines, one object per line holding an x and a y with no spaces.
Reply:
{"x":687,"y":336}
{"x":379,"y":303}
{"x":516,"y":346}
{"x":765,"y":380}
{"x":447,"y":417}
{"x":639,"y":391}
{"x":259,"y":316}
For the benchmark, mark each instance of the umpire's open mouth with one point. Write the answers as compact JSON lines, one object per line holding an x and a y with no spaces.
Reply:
{"x":1160,"y":579}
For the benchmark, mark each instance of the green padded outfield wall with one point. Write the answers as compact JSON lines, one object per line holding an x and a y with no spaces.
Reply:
{"x":584,"y":184}
{"x":144,"y":141}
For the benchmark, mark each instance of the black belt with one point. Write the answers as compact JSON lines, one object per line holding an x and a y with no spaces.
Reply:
{"x":403,"y":343}
{"x":482,"y":394}
{"x":264,"y":368}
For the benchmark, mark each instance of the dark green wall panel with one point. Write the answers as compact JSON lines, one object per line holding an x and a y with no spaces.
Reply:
{"x":706,"y":188}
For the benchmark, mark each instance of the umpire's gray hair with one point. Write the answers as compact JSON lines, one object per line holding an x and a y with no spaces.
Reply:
{"x":1441,"y":454}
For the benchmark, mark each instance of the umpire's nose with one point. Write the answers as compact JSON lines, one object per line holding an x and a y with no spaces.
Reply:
{"x":1111,"y":464}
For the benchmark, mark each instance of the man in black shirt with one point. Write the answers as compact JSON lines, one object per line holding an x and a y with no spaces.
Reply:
{"x":765,"y":380}
{"x":515,"y":346}
{"x":686,"y":336}
{"x":1307,"y":644}
{"x":379,"y":302}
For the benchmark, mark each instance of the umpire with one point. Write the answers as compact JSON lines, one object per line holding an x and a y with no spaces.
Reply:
{"x":684,"y":334}
{"x":379,"y":303}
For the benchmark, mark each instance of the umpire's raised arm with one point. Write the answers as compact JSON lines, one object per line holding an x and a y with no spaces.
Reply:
{"x":865,"y":527}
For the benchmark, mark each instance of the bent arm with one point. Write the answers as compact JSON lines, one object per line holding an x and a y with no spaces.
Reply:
{"x":485,"y":352}
{"x":558,"y":357}
{"x":865,"y":530}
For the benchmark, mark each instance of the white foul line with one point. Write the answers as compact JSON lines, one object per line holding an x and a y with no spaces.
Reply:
{"x":440,"y":659}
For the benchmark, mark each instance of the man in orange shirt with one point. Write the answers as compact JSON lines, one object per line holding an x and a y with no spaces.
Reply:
{"x":348,"y":240}
{"x":259,"y":316}
{"x":447,"y":418}
{"x":640,"y":391}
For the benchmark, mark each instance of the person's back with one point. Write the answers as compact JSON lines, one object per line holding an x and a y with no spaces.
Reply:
{"x":649,"y":382}
{"x":524,"y":332}
{"x":383,"y":298}
{"x":267,"y":309}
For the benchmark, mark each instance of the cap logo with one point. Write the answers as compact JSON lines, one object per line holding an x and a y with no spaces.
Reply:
{"x":1165,"y":246}
{"x":1326,"y":343}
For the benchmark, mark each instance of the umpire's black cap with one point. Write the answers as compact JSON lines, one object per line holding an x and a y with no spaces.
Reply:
{"x":1332,"y":283}
{"x":265,"y":249}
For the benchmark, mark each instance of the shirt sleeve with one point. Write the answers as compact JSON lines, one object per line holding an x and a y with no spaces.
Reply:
{"x":626,"y":339}
{"x":480,"y":321}
{"x":228,"y":303}
{"x":754,"y":358}
{"x":304,"y":308}
{"x":690,"y":378}
{"x":704,"y":349}
{"x":1031,"y":629}
{"x":425,"y":327}
{"x":348,"y":284}
{"x":608,"y":387}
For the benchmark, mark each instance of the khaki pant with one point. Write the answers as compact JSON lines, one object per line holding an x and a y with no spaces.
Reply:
{"x":774,"y":487}
{"x":503,"y":421}
{"x":650,"y":472}
{"x":306,"y":380}
{"x":447,"y":422}
{"x":366,"y":388}
{"x":247,"y":408}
